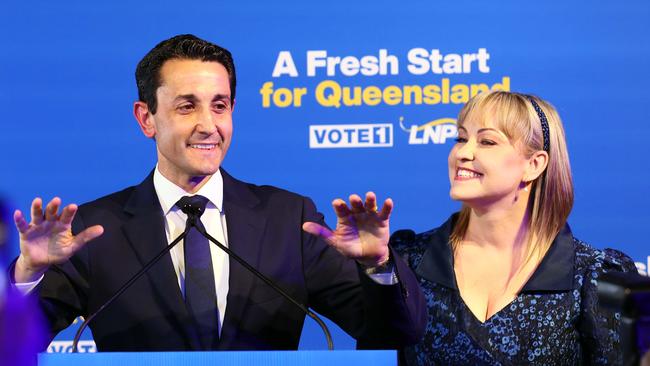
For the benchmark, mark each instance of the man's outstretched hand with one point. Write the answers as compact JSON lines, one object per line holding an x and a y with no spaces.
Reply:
{"x":362,"y":232}
{"x":48,"y":239}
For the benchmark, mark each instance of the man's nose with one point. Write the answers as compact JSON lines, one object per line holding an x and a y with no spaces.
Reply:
{"x":206,"y":122}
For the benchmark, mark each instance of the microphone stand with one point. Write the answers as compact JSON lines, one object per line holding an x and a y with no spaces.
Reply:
{"x":191,"y":221}
{"x":127,"y":285}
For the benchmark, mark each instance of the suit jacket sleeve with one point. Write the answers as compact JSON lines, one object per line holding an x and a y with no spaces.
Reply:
{"x":63,"y":291}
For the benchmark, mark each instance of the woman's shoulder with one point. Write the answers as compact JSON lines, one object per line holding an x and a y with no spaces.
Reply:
{"x":407,"y":240}
{"x":598,"y":261}
{"x":412,"y":246}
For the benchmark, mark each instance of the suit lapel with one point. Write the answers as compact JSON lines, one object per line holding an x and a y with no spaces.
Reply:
{"x":145,"y":232}
{"x":245,"y":224}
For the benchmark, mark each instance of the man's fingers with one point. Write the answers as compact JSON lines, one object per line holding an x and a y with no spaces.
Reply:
{"x":87,"y":235}
{"x":37,"y":210}
{"x":318,"y":230}
{"x":19,"y":220}
{"x":68,"y":214}
{"x":52,"y":208}
{"x":371,"y":202}
{"x":341,"y":209}
{"x":384,"y":214}
{"x":356,"y":204}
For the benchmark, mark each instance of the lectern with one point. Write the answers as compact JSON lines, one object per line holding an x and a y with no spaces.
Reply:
{"x":241,"y":358}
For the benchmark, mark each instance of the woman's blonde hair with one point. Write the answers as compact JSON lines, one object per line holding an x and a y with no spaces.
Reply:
{"x":551,"y":196}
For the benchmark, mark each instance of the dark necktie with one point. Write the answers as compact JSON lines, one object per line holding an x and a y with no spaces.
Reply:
{"x":200,"y":292}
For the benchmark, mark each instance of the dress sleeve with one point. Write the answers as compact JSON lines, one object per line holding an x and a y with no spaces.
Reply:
{"x":600,"y":327}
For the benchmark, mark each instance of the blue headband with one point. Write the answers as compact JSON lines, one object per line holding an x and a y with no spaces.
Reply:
{"x":543,"y":120}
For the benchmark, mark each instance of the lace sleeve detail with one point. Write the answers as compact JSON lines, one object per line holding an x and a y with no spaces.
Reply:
{"x":599,"y":327}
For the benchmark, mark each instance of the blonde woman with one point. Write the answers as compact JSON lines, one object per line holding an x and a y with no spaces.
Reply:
{"x":506,"y":283}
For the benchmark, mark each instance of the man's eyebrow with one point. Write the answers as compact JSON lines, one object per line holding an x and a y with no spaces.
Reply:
{"x":188,"y":97}
{"x":221,"y":97}
{"x":195,"y":99}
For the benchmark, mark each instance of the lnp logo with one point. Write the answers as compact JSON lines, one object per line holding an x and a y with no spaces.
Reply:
{"x":435,"y":132}
{"x":346,"y":136}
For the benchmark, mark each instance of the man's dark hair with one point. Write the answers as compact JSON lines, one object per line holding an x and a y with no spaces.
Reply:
{"x":183,"y":47}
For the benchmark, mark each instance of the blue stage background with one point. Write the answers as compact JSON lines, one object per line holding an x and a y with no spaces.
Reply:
{"x":67,"y":88}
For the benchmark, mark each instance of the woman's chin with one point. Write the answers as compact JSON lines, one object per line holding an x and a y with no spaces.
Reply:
{"x":459,"y":195}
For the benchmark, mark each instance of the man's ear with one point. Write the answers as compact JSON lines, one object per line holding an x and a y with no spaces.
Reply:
{"x":536,"y":165}
{"x":144,"y":118}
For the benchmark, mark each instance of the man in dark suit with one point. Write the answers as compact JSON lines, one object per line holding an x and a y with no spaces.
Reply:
{"x":187,"y":92}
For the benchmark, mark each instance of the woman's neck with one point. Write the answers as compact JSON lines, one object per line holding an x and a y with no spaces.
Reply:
{"x":500,"y":229}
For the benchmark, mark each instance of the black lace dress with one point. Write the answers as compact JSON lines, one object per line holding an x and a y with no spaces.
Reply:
{"x":555,"y":319}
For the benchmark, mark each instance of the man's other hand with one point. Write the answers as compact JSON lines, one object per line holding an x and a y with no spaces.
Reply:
{"x":362,"y":232}
{"x":48,"y":239}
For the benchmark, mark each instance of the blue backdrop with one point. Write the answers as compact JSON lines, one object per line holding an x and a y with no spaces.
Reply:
{"x":329,"y":127}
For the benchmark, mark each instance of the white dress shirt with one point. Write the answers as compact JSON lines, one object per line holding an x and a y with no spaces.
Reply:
{"x":214,"y":221}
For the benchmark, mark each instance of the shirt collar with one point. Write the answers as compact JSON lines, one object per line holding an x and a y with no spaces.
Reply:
{"x":169,"y":193}
{"x":554,"y":273}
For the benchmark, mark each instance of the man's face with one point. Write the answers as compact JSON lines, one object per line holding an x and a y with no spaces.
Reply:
{"x":193,"y":123}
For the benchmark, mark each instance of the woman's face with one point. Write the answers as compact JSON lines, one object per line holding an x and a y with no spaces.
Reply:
{"x":484,"y":167}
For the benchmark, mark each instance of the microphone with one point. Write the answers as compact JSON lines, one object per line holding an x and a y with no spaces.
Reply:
{"x":193,"y":215}
{"x":127,"y":285}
